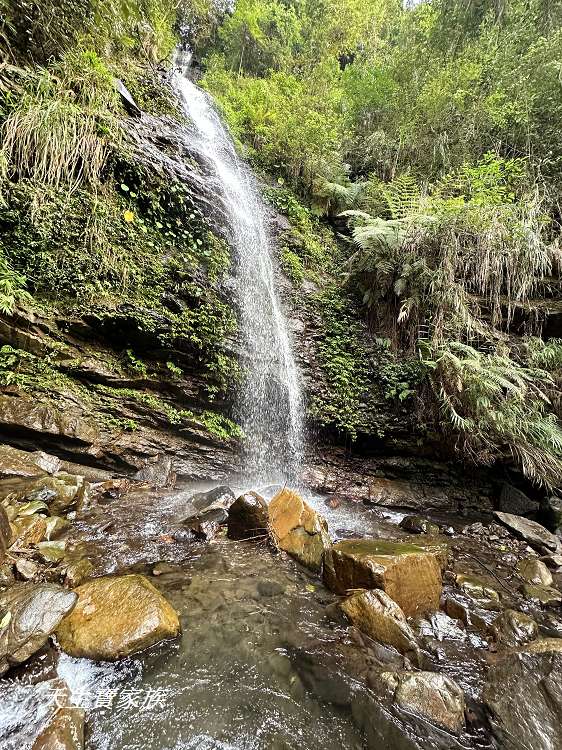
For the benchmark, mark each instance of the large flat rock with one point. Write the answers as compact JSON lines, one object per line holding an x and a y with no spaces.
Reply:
{"x":409,"y":574}
{"x":524,"y":693}
{"x":117,"y":616}
{"x":530,"y":531}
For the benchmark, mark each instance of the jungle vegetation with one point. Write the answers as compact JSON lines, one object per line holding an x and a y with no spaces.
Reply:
{"x":415,"y":146}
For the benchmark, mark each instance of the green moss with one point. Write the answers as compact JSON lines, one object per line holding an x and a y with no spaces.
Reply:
{"x":292,"y":266}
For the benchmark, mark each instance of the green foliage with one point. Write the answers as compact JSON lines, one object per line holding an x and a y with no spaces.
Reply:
{"x":496,"y":406}
{"x":134,"y":364}
{"x":292,"y":266}
{"x":12,"y":289}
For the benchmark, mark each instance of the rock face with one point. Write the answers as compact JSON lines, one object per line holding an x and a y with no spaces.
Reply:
{"x":248,"y":517}
{"x":33,"y":612}
{"x":377,"y":615}
{"x":409,"y":574}
{"x":524,"y":692}
{"x":430,"y":695}
{"x":297,"y":529}
{"x":514,"y":501}
{"x":531,"y":532}
{"x":115,"y":617}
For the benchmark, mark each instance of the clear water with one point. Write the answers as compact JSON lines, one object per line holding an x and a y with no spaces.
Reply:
{"x":270,"y":400}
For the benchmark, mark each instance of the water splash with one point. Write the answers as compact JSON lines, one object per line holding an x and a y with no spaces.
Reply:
{"x":269,"y":401}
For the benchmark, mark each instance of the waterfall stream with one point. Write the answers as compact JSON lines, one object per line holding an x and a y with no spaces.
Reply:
{"x":269,"y":405}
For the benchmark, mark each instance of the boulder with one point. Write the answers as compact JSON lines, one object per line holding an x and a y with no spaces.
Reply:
{"x":115,"y":617}
{"x":418,"y":525}
{"x":377,"y":615}
{"x":31,"y":612}
{"x":17,"y":463}
{"x":64,"y":731}
{"x":478,"y":614}
{"x":476,"y":587}
{"x":248,"y":517}
{"x":514,"y":501}
{"x":546,"y":596}
{"x":430,"y":695}
{"x":439,"y":626}
{"x":554,"y":562}
{"x":28,"y":531}
{"x":408,"y":573}
{"x":513,"y":628}
{"x":524,"y":693}
{"x":534,"y":571}
{"x":531,"y":532}
{"x":221,"y":496}
{"x":297,"y":529}
{"x":206,"y":525}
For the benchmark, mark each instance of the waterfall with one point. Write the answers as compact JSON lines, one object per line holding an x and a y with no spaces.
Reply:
{"x":269,"y":404}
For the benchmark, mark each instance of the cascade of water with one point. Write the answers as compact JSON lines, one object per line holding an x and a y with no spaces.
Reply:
{"x":270,"y":401}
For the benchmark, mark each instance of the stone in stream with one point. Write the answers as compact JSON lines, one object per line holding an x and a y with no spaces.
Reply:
{"x":117,"y":616}
{"x":297,"y":529}
{"x":543,"y":595}
{"x":221,"y":496}
{"x":513,"y":628}
{"x":524,"y":693}
{"x":476,"y":613}
{"x":65,"y":731}
{"x":408,"y":573}
{"x":430,"y":695}
{"x":534,"y":571}
{"x":28,"y":531}
{"x":418,"y":525}
{"x":531,"y":532}
{"x":379,"y":617}
{"x":248,"y":517}
{"x":30,"y":613}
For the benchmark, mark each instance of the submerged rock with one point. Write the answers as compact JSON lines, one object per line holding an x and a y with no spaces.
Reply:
{"x":65,"y":731}
{"x":297,"y":529}
{"x":248,"y":517}
{"x":408,"y":573}
{"x":534,"y":571}
{"x":531,"y":532}
{"x":524,"y":693}
{"x":31,"y":612}
{"x":429,"y":695}
{"x":418,"y":525}
{"x":513,"y":628}
{"x":377,"y":615}
{"x":115,"y":617}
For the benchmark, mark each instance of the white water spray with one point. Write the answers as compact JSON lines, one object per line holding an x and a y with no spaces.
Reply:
{"x":270,"y":401}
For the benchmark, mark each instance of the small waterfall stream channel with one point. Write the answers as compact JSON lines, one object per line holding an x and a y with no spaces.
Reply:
{"x":265,"y":661}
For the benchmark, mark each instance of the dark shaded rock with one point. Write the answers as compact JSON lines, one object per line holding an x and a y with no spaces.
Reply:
{"x":531,"y":532}
{"x":429,"y":695}
{"x":32,"y":611}
{"x":270,"y":588}
{"x":157,"y":471}
{"x":221,"y":496}
{"x":516,"y":502}
{"x":408,"y":573}
{"x":206,"y":525}
{"x":418,"y":525}
{"x":248,"y":517}
{"x":26,"y":413}
{"x":513,"y":628}
{"x":554,"y":562}
{"x":524,"y":693}
{"x":5,"y":533}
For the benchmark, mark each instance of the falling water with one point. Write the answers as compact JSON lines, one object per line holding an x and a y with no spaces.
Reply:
{"x":269,"y":399}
